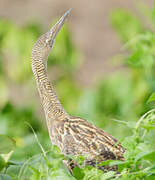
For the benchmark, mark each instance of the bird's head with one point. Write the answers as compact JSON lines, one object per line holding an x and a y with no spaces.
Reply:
{"x":45,"y":43}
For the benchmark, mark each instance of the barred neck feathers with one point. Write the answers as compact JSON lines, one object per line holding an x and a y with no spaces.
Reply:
{"x":51,"y":104}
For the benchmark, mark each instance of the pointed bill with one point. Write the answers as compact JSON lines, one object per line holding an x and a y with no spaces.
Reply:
{"x":56,"y":28}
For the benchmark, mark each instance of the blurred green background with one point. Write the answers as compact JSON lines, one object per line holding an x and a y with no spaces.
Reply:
{"x":122,"y":95}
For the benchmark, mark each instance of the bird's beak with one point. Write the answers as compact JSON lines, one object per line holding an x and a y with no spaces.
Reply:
{"x":56,"y":28}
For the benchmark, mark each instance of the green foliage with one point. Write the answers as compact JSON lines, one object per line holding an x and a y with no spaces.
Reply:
{"x":138,"y":164}
{"x":5,"y":177}
{"x":66,"y":87}
{"x":2,"y":163}
{"x":6,"y":150}
{"x":18,"y":117}
{"x":16,"y":44}
{"x":126,"y":24}
{"x":151,"y":98}
{"x":7,"y":144}
{"x":141,"y":44}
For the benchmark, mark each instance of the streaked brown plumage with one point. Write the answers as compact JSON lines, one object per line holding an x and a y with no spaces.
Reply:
{"x":72,"y":135}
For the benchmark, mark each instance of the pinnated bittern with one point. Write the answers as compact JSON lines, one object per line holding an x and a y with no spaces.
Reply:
{"x":73,"y":135}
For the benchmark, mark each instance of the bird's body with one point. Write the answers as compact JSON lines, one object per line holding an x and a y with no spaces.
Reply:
{"x":73,"y":135}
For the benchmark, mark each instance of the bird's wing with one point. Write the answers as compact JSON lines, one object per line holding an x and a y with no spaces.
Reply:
{"x":84,"y":138}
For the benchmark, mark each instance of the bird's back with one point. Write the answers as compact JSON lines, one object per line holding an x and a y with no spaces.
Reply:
{"x":76,"y":136}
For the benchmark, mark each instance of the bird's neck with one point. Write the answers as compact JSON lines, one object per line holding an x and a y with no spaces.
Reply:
{"x":51,"y":104}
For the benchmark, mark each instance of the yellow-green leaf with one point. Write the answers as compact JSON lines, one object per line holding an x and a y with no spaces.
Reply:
{"x":6,"y":144}
{"x":151,"y":98}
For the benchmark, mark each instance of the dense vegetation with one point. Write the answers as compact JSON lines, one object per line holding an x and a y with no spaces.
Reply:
{"x":121,"y":104}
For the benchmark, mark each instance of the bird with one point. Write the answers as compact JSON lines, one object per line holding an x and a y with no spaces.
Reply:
{"x":73,"y":135}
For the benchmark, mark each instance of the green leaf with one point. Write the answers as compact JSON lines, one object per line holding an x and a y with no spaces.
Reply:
{"x":129,"y":143}
{"x":105,"y":163}
{"x":6,"y":144}
{"x":5,"y":177}
{"x":151,"y":98}
{"x":108,"y":175}
{"x":126,"y":24}
{"x":2,"y":163}
{"x":149,"y":155}
{"x":58,"y":174}
{"x":78,"y":173}
{"x":35,"y":173}
{"x":116,"y":162}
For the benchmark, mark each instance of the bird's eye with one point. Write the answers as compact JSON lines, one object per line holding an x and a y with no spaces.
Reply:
{"x":47,"y":41}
